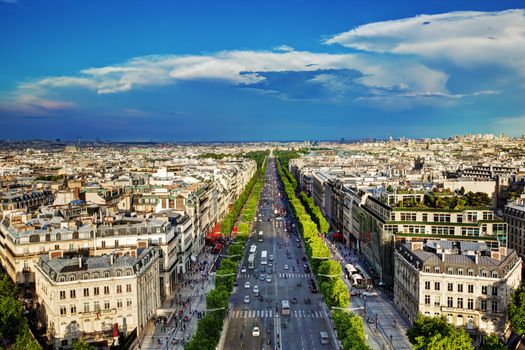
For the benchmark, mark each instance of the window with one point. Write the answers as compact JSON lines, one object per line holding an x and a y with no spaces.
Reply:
{"x":103,"y":244}
{"x":460,"y":272}
{"x":442,"y":217}
{"x":494,"y":305}
{"x":436,"y":300}
{"x":425,"y":217}
{"x":72,"y":278}
{"x":494,"y":290}
{"x":106,"y":289}
{"x":96,"y":305}
{"x":450,"y":302}
{"x":62,"y":294}
{"x":96,"y":291}
{"x":86,"y":307}
{"x":484,"y":290}
{"x":427,"y":284}
{"x":128,"y":288}
{"x":471,"y":288}
{"x":460,"y":288}
{"x":119,"y":303}
{"x":470,"y":272}
{"x":116,"y":243}
{"x":106,"y":304}
{"x":119,"y":273}
{"x":470,"y":304}
{"x":483,"y":304}
{"x":427,"y":299}
{"x":484,"y":273}
{"x":436,"y":285}
{"x":494,"y":274}
{"x":436,"y":269}
{"x":86,"y":292}
{"x":72,"y":294}
{"x":119,"y":288}
{"x":63,"y":310}
{"x":73,"y":309}
{"x":460,"y":303}
{"x":62,"y":279}
{"x":85,"y":276}
{"x":427,"y":268}
{"x":106,"y":274}
{"x":450,"y":287}
{"x":128,"y":302}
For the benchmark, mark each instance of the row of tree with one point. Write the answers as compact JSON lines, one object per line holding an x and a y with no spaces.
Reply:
{"x":210,"y":326}
{"x":315,"y":212}
{"x":329,"y":271}
{"x":350,"y":330}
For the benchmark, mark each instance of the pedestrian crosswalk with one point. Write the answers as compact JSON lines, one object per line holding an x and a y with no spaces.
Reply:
{"x":280,"y":274}
{"x":271,"y":313}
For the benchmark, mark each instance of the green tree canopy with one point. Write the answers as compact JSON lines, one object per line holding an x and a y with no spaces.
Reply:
{"x":492,"y":342}
{"x":435,"y":333}
{"x":516,"y":311}
{"x":81,"y":344}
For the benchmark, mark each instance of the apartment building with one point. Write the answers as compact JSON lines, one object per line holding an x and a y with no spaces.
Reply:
{"x":514,"y":214}
{"x":466,"y":281}
{"x":89,"y":297}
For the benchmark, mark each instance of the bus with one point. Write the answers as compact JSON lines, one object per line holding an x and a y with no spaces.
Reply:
{"x":251,"y":261}
{"x":253,"y":249}
{"x":285,"y":308}
{"x":350,"y":269}
{"x":264,"y":257}
{"x":260,"y":236}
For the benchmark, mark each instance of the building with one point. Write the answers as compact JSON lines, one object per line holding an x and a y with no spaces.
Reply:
{"x":514,"y":214}
{"x":87,"y":297}
{"x":466,"y":281}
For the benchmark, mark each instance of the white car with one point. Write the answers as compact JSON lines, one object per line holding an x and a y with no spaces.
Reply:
{"x":243,"y":269}
{"x":247,"y":285}
{"x":286,"y":267}
{"x":269,"y":279}
{"x":247,"y":299}
{"x":256,"y":331}
{"x":256,"y":289}
{"x":271,"y":258}
{"x":370,"y":294}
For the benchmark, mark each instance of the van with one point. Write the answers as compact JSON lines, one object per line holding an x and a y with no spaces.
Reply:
{"x":324,"y":338}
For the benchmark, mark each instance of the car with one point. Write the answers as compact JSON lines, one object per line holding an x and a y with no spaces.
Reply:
{"x":270,"y":264}
{"x":297,"y":240}
{"x":270,"y":270}
{"x":243,"y":269}
{"x":256,"y":289}
{"x":271,"y":257}
{"x":286,"y":267}
{"x":235,"y":283}
{"x":354,"y":292}
{"x":370,"y":294}
{"x":307,"y":301}
{"x":303,"y":258}
{"x":306,"y":270}
{"x":256,"y":331}
{"x":263,"y":269}
{"x":247,"y":299}
{"x":247,"y":285}
{"x":313,"y":289}
{"x":268,"y":278}
{"x":262,"y":276}
{"x":294,"y":300}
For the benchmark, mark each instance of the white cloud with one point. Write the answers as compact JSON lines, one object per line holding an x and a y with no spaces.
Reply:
{"x":465,"y":38}
{"x":513,"y":126}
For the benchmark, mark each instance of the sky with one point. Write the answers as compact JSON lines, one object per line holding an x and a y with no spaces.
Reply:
{"x":127,"y":70}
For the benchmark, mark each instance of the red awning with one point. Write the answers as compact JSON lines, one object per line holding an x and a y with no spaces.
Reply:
{"x":337,"y":235}
{"x":218,"y":246}
{"x":213,"y":235}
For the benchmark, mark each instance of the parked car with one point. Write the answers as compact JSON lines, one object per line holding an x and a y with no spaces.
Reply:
{"x":247,"y":285}
{"x":256,"y":331}
{"x":247,"y":299}
{"x":370,"y":293}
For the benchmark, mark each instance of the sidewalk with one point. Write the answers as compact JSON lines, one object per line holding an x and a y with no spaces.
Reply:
{"x":381,"y":334}
{"x":189,"y":302}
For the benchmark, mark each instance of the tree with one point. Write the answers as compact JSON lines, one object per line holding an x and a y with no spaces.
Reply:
{"x":25,"y":341}
{"x":435,"y":333}
{"x":492,"y":342}
{"x":516,"y":311}
{"x":81,"y":344}
{"x":11,"y":318}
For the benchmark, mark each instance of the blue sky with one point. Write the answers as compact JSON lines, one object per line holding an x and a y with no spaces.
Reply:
{"x":260,"y":70}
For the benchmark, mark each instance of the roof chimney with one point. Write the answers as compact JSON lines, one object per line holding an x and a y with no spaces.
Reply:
{"x":80,"y":261}
{"x":111,"y":259}
{"x":476,"y":257}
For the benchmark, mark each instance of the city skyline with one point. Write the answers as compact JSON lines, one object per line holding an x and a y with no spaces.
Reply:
{"x":205,"y":71}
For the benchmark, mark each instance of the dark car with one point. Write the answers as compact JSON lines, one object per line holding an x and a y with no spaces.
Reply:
{"x":313,"y":288}
{"x":294,"y":300}
{"x":307,"y":301}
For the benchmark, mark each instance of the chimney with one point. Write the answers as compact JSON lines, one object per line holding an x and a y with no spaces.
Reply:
{"x":80,"y":261}
{"x":443,"y":256}
{"x":476,"y":257}
{"x":111,"y":259}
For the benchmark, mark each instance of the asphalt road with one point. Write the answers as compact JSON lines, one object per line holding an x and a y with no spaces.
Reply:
{"x":301,"y":329}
